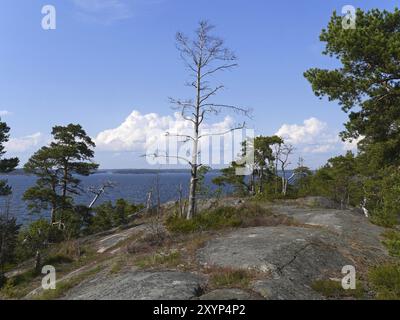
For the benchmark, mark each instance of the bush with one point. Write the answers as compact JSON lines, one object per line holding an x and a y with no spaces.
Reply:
{"x":220,"y":218}
{"x":212,"y":220}
{"x":333,"y":289}
{"x":108,"y":216}
{"x":385,"y":281}
{"x":392,"y":242}
{"x":76,"y":221}
{"x":35,"y":238}
{"x":384,"y":197}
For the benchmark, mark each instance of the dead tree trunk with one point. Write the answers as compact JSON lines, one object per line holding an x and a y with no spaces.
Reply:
{"x":99,"y":193}
{"x":149,"y":201}
{"x":38,"y":262}
{"x":195,"y":151}
{"x":180,"y":201}
{"x":283,"y":158}
{"x":204,"y":56}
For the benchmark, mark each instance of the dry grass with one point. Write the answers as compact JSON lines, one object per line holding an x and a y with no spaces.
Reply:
{"x":230,"y":278}
{"x":333,"y":289}
{"x":161,"y":259}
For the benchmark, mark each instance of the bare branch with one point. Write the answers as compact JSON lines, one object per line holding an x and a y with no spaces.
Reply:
{"x":167,"y":156}
{"x":213,"y":92}
{"x":182,"y":103}
{"x":220,"y":68}
{"x":205,"y":55}
{"x":242,"y":126}
{"x":167,"y":134}
{"x":245,"y":111}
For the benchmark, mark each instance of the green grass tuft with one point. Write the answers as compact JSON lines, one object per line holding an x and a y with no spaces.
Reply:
{"x":217,"y":219}
{"x":229,"y":278}
{"x":63,"y":287}
{"x":385,"y":281}
{"x":334,"y":290}
{"x":392,"y":242}
{"x":170,"y":259}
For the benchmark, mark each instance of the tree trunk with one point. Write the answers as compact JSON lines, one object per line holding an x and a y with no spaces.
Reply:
{"x":192,"y":195}
{"x":284,"y":183}
{"x":180,"y":201}
{"x":54,"y":204}
{"x":193,"y":180}
{"x":53,"y":215}
{"x":252,"y":183}
{"x":261,"y":181}
{"x":149,"y":202}
{"x":196,"y":124}
{"x":276,"y":175}
{"x":38,"y":262}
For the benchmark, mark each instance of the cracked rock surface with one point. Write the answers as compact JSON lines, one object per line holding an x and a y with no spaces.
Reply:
{"x":140,"y":285}
{"x":292,"y":258}
{"x":287,"y":258}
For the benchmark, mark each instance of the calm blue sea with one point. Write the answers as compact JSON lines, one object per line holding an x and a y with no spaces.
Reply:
{"x":131,"y":186}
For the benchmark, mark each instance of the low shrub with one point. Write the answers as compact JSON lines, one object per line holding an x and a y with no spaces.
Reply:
{"x":108,"y":215}
{"x":334,"y":290}
{"x":217,"y":219}
{"x":385,"y":281}
{"x":16,"y":287}
{"x":392,"y":242}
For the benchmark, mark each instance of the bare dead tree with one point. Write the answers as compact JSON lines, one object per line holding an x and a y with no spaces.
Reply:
{"x":283,"y":157}
{"x":99,"y":192}
{"x":204,"y":56}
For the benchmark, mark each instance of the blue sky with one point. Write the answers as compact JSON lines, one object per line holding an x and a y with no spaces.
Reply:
{"x":108,"y":58}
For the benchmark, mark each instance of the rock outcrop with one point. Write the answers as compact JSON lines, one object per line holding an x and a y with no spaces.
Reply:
{"x":140,"y":285}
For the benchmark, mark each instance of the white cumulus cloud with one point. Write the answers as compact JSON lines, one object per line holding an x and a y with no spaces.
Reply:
{"x":4,"y":113}
{"x":24,"y":144}
{"x":140,"y":131}
{"x":314,"y":136}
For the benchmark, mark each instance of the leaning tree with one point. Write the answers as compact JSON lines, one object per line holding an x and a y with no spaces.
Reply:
{"x":204,"y":57}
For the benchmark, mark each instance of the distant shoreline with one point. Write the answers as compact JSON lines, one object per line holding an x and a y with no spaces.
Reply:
{"x":21,"y":172}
